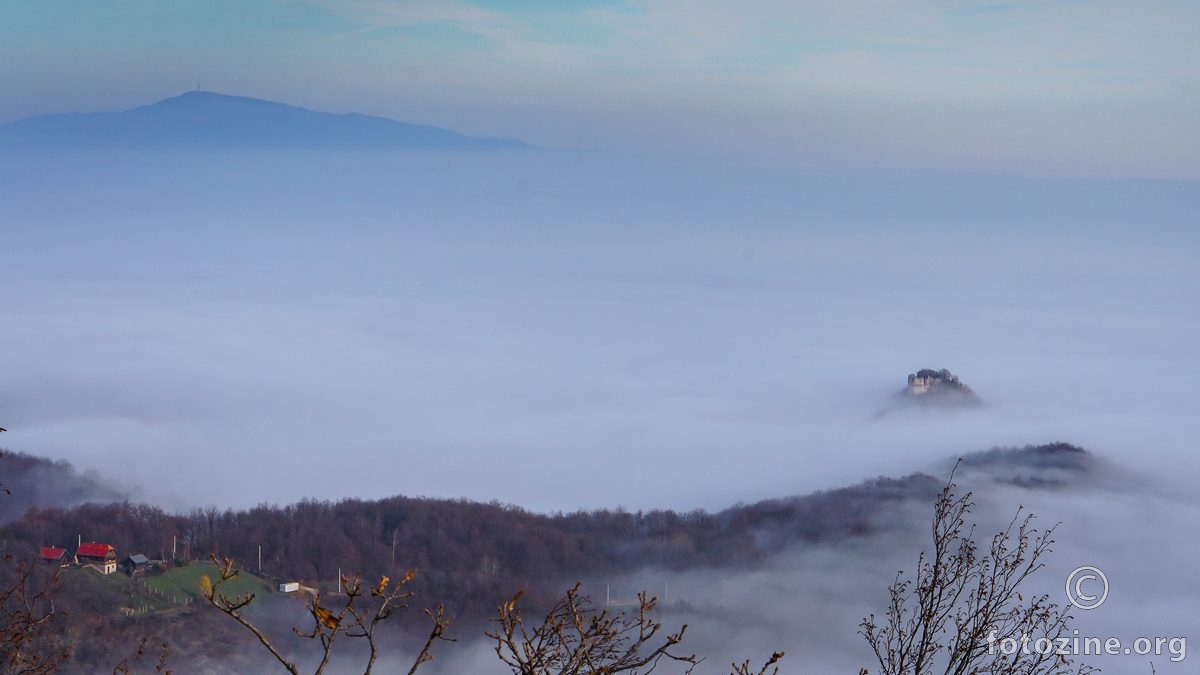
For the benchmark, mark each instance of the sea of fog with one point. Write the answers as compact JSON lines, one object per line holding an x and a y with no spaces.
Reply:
{"x":563,"y":330}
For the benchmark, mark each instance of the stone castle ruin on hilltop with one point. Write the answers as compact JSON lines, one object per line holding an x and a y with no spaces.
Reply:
{"x":926,"y":380}
{"x":939,"y":386}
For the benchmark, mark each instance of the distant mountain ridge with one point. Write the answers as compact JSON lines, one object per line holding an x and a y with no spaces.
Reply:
{"x":201,"y":119}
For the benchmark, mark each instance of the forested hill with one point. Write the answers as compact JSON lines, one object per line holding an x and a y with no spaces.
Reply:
{"x":468,"y":554}
{"x":34,"y":481}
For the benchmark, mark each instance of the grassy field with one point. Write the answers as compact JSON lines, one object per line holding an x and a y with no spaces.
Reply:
{"x":173,"y":590}
{"x":181,"y":582}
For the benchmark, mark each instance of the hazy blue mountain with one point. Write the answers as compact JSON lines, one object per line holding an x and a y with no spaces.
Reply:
{"x":200,"y":119}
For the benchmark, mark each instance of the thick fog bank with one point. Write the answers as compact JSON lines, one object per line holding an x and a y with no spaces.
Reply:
{"x":567,"y":331}
{"x":809,"y":599}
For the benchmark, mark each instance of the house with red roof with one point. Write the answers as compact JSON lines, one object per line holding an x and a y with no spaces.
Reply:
{"x":53,"y":554}
{"x":102,"y":557}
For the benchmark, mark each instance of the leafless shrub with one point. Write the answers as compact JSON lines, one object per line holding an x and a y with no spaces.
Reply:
{"x":964,"y":601}
{"x":128,"y":666}
{"x":358,"y":615}
{"x":574,"y":638}
{"x":28,"y":641}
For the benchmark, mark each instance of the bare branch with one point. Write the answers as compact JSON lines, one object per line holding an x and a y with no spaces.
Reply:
{"x":358,"y":617}
{"x":962,"y":602}
{"x":574,"y":638}
{"x":211,"y":591}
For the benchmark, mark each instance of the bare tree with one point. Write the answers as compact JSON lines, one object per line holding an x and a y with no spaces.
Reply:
{"x":162,"y":651}
{"x":744,"y":668}
{"x":358,"y":616}
{"x":27,"y":610}
{"x":28,"y":642}
{"x":576,"y":639}
{"x":963,"y":604}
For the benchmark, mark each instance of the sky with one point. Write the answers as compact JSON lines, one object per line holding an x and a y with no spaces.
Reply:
{"x":1058,"y":87}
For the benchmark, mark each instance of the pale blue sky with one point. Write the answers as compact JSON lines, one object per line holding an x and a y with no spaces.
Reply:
{"x":1043,"y":86}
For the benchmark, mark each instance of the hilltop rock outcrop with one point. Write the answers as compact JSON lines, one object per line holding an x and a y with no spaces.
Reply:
{"x":939,"y":387}
{"x":929,"y":388}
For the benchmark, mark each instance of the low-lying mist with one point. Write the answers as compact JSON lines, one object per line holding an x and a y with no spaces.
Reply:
{"x":564,"y":331}
{"x":509,"y":328}
{"x":810,"y":598}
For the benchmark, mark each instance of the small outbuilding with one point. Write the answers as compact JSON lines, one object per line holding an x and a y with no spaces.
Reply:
{"x":289,"y":586}
{"x":135,"y":564}
{"x":53,"y":555}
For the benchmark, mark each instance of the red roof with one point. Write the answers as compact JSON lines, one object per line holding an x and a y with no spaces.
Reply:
{"x":52,"y":552}
{"x":94,"y":550}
